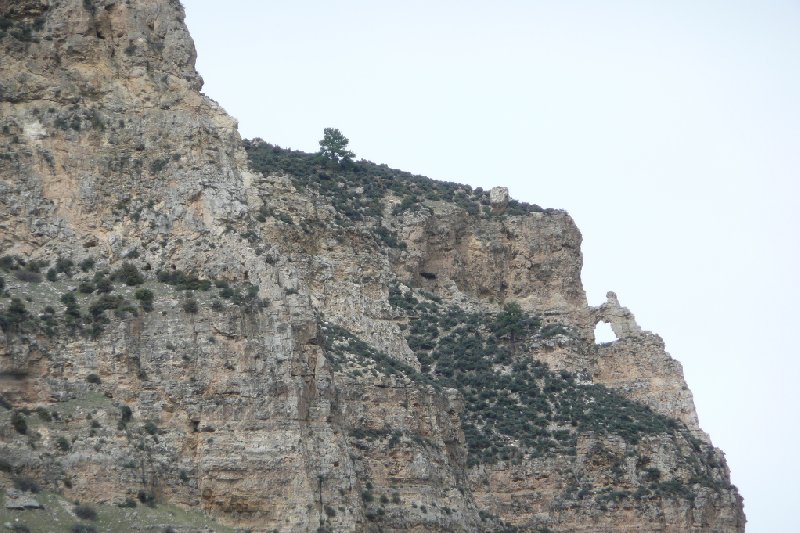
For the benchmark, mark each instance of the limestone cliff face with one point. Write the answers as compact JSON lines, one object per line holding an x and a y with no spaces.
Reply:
{"x":323,"y":347}
{"x":102,"y":118}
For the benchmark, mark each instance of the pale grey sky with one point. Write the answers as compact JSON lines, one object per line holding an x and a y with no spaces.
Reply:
{"x":669,"y":130}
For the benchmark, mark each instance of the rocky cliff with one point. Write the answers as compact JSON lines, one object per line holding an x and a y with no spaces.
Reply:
{"x":292,"y":344}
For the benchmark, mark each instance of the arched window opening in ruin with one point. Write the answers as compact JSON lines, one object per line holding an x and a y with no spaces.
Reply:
{"x":603,"y":333}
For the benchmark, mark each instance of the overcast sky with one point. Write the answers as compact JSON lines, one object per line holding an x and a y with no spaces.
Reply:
{"x":669,"y":130}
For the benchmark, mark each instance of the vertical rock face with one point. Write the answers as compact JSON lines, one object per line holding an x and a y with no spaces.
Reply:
{"x":287,"y":345}
{"x":102,"y":117}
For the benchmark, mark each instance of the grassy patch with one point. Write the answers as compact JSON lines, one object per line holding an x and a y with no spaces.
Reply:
{"x":373,"y":184}
{"x":58,"y":517}
{"x":367,"y":194}
{"x":347,"y":353}
{"x":90,"y":302}
{"x":516,"y":406}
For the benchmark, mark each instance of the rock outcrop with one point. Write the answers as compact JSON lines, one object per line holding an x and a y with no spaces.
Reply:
{"x":290,"y":344}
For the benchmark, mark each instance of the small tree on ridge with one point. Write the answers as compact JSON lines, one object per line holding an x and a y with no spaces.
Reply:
{"x":333,"y":146}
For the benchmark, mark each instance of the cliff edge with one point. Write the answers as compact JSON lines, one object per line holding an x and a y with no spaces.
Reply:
{"x":291,"y":344}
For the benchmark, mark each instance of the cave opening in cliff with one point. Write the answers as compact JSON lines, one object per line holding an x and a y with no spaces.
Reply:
{"x":603,"y":333}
